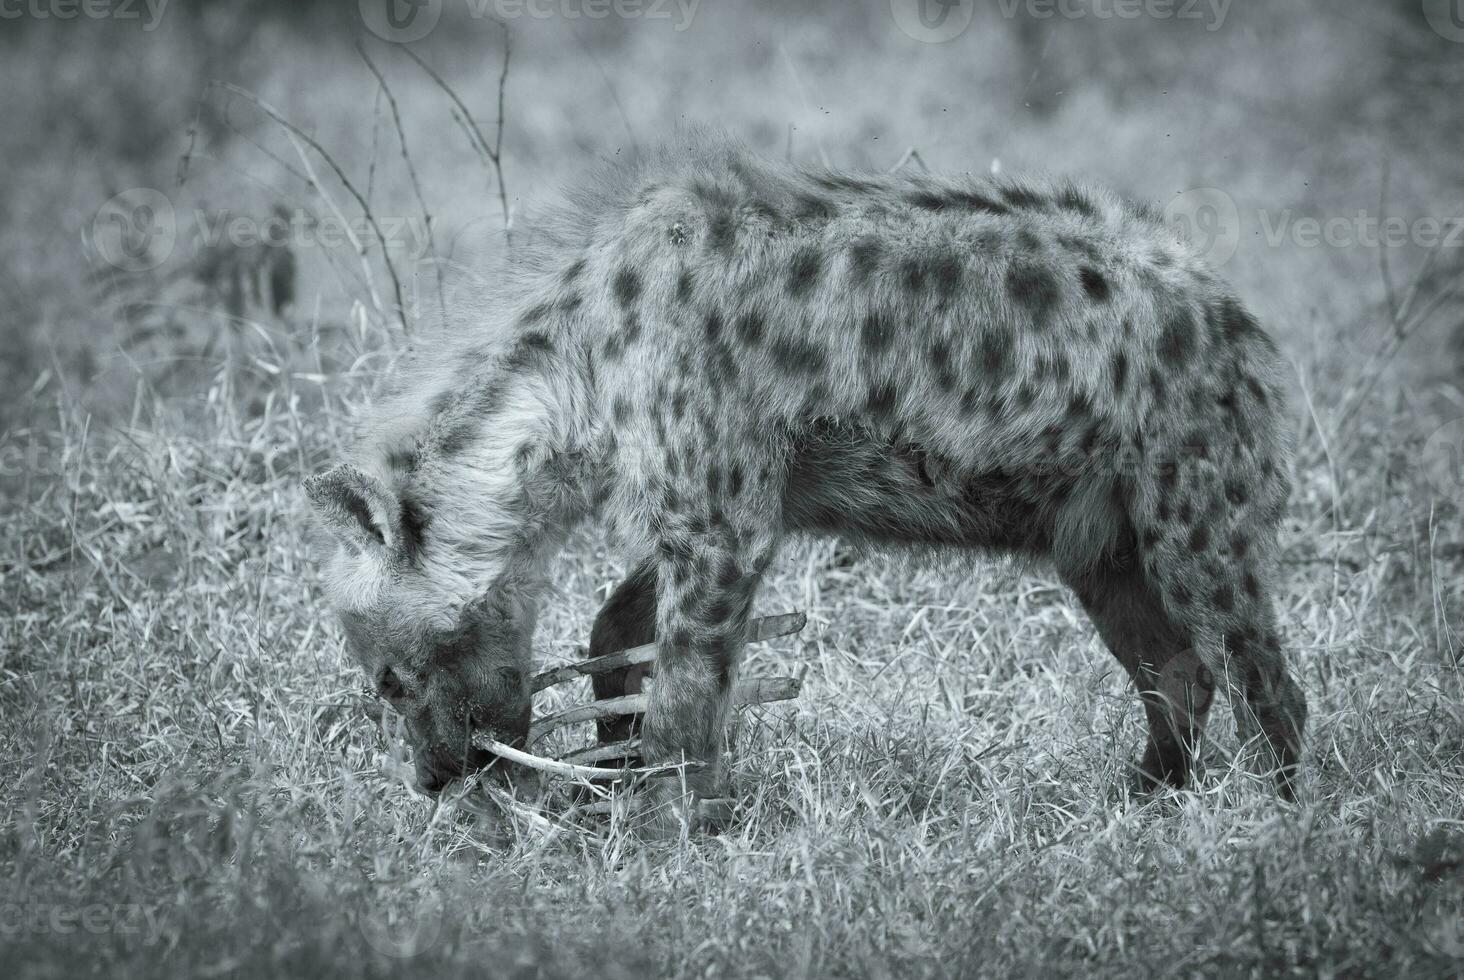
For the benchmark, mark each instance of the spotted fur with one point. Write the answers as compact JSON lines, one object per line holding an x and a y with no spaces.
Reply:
{"x":713,"y":352}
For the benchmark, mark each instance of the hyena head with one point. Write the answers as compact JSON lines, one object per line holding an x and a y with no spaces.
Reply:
{"x":450,"y":668}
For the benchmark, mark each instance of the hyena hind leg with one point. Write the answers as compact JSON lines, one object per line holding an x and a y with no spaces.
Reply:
{"x":1174,"y":685}
{"x":1228,"y":612}
{"x":628,"y":619}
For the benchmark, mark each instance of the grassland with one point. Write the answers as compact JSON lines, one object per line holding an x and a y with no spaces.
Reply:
{"x":192,"y":782}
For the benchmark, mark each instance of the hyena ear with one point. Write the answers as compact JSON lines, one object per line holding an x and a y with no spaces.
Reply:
{"x":358,"y":508}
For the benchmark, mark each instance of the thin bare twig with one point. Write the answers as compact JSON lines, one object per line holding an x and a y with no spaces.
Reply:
{"x":823,"y":157}
{"x":1334,"y":475}
{"x":464,"y":118}
{"x":1402,"y":322}
{"x":1403,"y":327}
{"x":1418,"y":281}
{"x":238,"y":133}
{"x":498,"y":134}
{"x":298,"y":134}
{"x":375,"y":133}
{"x":396,"y":118}
{"x":909,"y":155}
{"x":610,"y":87}
{"x":1383,"y":270}
{"x":186,"y":160}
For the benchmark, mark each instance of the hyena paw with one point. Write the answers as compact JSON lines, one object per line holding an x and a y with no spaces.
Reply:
{"x":1159,"y":770}
{"x":1143,"y":782}
{"x":663,"y":808}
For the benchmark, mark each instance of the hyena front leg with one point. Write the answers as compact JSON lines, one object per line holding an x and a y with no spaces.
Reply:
{"x":1155,"y":649}
{"x":710,"y":557}
{"x":628,"y":619}
{"x":707,"y":584}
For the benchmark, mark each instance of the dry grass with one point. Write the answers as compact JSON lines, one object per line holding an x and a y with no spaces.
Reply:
{"x":184,"y":740}
{"x":193,"y":782}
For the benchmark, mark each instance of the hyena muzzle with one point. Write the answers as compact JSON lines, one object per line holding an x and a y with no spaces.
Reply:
{"x":715,"y":352}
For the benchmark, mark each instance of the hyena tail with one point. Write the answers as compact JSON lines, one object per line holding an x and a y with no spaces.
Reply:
{"x":1206,"y":507}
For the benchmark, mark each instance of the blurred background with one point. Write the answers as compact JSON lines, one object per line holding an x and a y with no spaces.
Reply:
{"x":221,"y":221}
{"x":1312,"y":110}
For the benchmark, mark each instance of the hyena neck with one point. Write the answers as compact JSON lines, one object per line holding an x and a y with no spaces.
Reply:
{"x":504,"y":479}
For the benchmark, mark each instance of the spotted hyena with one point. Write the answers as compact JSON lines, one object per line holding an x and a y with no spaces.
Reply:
{"x":715,"y":351}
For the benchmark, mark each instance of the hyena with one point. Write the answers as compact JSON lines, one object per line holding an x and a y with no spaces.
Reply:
{"x":714,"y":351}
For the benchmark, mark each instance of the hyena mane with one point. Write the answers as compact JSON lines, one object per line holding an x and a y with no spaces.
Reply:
{"x":714,"y":351}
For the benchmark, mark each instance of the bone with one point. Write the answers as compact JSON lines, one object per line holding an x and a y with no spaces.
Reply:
{"x":578,"y":765}
{"x":751,"y":691}
{"x":567,"y":769}
{"x":599,"y":753}
{"x":713,"y":808}
{"x":766,"y":628}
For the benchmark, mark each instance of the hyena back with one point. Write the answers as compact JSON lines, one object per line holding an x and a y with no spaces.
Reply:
{"x":714,"y":352}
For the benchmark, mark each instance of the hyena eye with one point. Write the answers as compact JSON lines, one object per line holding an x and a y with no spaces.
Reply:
{"x":389,"y":686}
